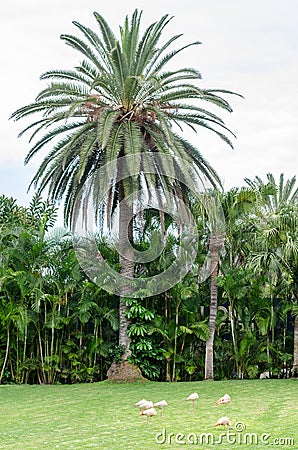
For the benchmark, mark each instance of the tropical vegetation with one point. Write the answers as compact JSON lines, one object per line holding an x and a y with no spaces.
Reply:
{"x":57,"y":326}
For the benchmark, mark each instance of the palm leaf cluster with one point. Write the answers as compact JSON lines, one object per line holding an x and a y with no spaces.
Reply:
{"x":120,"y":100}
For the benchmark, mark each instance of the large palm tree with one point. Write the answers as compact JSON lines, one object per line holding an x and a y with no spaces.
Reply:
{"x":120,"y":101}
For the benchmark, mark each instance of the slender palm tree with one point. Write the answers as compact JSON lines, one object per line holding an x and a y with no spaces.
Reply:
{"x":223,"y":216}
{"x":120,"y":101}
{"x":275,"y":193}
{"x":295,"y":352}
{"x":277,"y":241}
{"x":215,"y":246}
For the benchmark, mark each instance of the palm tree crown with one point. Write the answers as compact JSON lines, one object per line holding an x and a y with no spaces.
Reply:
{"x":120,"y":100}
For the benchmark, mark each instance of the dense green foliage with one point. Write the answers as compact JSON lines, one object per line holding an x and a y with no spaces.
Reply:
{"x":58,"y":326}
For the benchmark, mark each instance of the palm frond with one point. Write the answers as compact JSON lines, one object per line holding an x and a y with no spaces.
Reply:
{"x":105,"y":126}
{"x":72,"y":75}
{"x":160,"y":64}
{"x":83,"y":48}
{"x":107,"y":33}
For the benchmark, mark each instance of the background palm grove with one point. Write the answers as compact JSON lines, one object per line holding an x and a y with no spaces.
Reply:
{"x":124,"y":99}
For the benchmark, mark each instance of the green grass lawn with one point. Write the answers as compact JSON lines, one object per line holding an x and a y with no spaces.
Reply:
{"x":103,"y":416}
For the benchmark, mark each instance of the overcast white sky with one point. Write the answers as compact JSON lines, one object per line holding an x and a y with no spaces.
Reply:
{"x":250,"y":47}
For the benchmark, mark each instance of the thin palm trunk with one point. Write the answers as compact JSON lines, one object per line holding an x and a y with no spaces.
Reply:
{"x":41,"y":356}
{"x":17,"y":359}
{"x":231,"y":316}
{"x":168,"y":375}
{"x":24,"y":350}
{"x":209,"y":372}
{"x":295,"y":354}
{"x":6,"y":354}
{"x":52,"y":364}
{"x":175,"y":340}
{"x":215,"y":244}
{"x":272,"y":320}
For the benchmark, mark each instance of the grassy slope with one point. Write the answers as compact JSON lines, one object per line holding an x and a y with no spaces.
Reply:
{"x":103,"y":416}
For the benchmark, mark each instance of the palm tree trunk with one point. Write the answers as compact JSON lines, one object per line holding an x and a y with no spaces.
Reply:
{"x":168,"y":376}
{"x":25,"y":350}
{"x":41,"y":356}
{"x":168,"y":359}
{"x":295,"y":355}
{"x":126,"y":259}
{"x":231,"y":316}
{"x":6,"y":353}
{"x":214,"y":246}
{"x":124,"y":339}
{"x":209,"y":375}
{"x":175,"y":340}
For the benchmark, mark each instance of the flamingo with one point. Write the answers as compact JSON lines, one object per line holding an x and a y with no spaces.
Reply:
{"x":140,"y":402}
{"x":160,"y":405}
{"x":193,"y":397}
{"x":223,"y":400}
{"x":225,"y":421}
{"x":144,"y":404}
{"x":150,"y":412}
